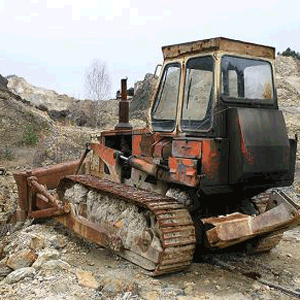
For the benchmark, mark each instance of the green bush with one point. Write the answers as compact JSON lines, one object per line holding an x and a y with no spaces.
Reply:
{"x":30,"y":136}
{"x":292,"y":53}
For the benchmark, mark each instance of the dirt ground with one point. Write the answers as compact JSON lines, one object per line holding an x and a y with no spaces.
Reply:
{"x":64,"y":266}
{"x":205,"y":280}
{"x":273,"y":275}
{"x":119,"y":279}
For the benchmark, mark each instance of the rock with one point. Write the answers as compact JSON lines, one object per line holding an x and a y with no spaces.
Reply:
{"x":189,"y":290}
{"x":113,"y":284}
{"x":189,"y":287}
{"x":58,"y":242}
{"x":57,"y":265}
{"x":50,"y":153}
{"x":42,"y":107}
{"x":87,"y":279}
{"x":19,"y":274}
{"x":144,"y":92}
{"x":37,"y":242}
{"x":3,"y":82}
{"x":38,"y":96}
{"x":47,"y":255}
{"x":4,"y":271}
{"x":58,"y":115}
{"x":256,"y":286}
{"x":155,"y":282}
{"x":152,"y":295}
{"x":62,"y":286}
{"x":21,"y":259}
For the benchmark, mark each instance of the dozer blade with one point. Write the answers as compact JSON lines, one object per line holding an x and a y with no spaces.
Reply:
{"x":281,"y":214}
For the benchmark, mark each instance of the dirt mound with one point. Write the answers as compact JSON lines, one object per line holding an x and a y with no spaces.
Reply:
{"x":21,"y":127}
{"x":38,"y":96}
{"x":8,"y":197}
{"x":288,"y":80}
{"x":3,"y":83}
{"x":288,"y":90}
{"x":144,"y":92}
{"x":66,"y":143}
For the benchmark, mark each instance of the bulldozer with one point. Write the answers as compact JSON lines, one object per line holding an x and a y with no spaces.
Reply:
{"x":214,"y":142}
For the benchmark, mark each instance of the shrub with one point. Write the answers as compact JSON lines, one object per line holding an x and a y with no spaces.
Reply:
{"x":6,"y":154}
{"x":30,"y":136}
{"x":292,"y":53}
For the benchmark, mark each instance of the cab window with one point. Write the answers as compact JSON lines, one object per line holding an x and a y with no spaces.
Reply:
{"x":165,"y":106}
{"x":246,"y":79}
{"x":198,"y":91}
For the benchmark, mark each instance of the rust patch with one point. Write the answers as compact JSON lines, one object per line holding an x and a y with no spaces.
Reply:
{"x":186,"y":149}
{"x":235,"y":228}
{"x":48,"y":176}
{"x":183,"y":171}
{"x":217,"y":44}
{"x":110,"y":157}
{"x":136,"y":145}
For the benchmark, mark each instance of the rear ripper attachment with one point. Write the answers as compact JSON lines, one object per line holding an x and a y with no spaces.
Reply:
{"x":280,"y":214}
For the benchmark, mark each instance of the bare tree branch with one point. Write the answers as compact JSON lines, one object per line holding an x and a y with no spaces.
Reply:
{"x":97,"y":81}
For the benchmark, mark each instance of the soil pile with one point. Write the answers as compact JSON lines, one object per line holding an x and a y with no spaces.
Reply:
{"x":144,"y":93}
{"x":38,"y":96}
{"x":288,"y":81}
{"x":21,"y":126}
{"x":288,"y":89}
{"x":3,"y":83}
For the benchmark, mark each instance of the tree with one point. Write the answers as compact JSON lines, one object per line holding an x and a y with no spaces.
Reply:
{"x":97,"y":81}
{"x":292,"y":53}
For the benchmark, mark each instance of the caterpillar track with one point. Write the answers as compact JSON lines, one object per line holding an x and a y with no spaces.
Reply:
{"x":169,"y":221}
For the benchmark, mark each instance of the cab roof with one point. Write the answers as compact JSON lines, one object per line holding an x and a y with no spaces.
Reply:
{"x":218,"y":44}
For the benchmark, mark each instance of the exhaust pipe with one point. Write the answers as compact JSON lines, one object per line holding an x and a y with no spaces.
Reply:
{"x":124,"y":108}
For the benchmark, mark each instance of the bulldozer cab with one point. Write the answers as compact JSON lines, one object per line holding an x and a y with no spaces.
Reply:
{"x":200,"y":80}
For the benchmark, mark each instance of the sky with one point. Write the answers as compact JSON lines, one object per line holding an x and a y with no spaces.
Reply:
{"x":51,"y":43}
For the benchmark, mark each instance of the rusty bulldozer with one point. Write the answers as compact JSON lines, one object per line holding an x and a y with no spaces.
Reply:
{"x":214,"y":140}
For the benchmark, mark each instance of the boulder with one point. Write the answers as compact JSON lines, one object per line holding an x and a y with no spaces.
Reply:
{"x":55,"y":265}
{"x":46,"y":255}
{"x":3,"y":82}
{"x":121,"y":283}
{"x":21,"y":259}
{"x":87,"y":279}
{"x":144,"y":92}
{"x":37,"y":242}
{"x":19,"y":274}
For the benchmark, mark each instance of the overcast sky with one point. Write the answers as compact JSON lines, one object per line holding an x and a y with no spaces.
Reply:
{"x":51,"y":42}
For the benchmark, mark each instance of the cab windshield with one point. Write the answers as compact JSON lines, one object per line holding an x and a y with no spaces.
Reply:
{"x":246,"y":80}
{"x":198,"y":92}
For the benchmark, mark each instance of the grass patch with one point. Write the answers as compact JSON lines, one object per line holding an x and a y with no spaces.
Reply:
{"x":6,"y":154}
{"x":31,"y":135}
